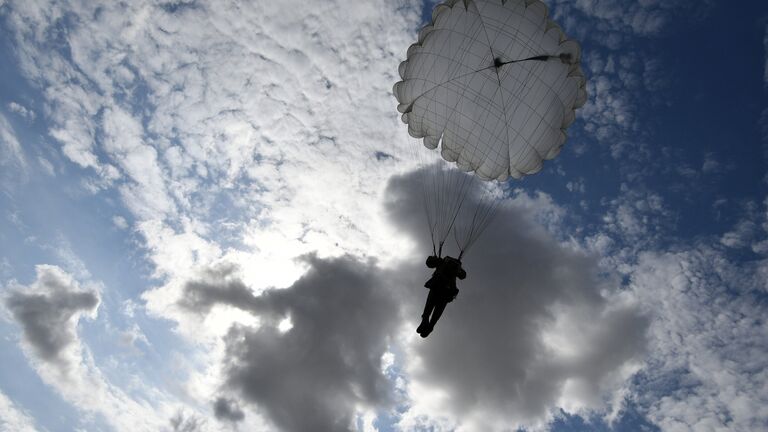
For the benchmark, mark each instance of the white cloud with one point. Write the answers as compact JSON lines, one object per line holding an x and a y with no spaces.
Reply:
{"x":516,"y":344}
{"x":750,"y":230}
{"x":711,"y":165}
{"x":244,"y":134}
{"x":639,"y":218}
{"x":615,"y":17}
{"x":120,"y":222}
{"x":49,"y":312}
{"x":264,"y":137}
{"x":707,"y":368}
{"x":741,"y":236}
{"x":21,"y":110}
{"x":12,"y":159}
{"x":576,"y":186}
{"x":334,"y":341}
{"x":12,"y":417}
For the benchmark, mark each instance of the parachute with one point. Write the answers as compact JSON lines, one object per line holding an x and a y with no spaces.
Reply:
{"x":494,"y":84}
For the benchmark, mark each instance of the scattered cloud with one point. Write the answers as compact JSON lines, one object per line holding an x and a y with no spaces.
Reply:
{"x":548,"y":328}
{"x":614,"y":19}
{"x":707,"y":358}
{"x":132,"y":336}
{"x":741,"y":236}
{"x":227,"y":410}
{"x":120,"y":222}
{"x":49,"y":312}
{"x":711,"y":164}
{"x":12,"y":159}
{"x":12,"y":417}
{"x":21,"y":110}
{"x":527,"y":335}
{"x":184,"y":422}
{"x":213,"y":134}
{"x":240,"y":137}
{"x":750,"y":229}
{"x":638,"y":218}
{"x":576,"y":186}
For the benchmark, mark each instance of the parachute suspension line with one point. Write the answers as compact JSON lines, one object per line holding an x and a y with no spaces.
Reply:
{"x":463,"y":189}
{"x":446,"y":101}
{"x":418,"y":156}
{"x":484,"y":214}
{"x":450,"y":189}
{"x":430,"y":201}
{"x":459,"y":182}
{"x":445,"y":183}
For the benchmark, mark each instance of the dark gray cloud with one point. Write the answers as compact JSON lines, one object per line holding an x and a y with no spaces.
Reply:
{"x":218,"y":286}
{"x":530,"y":328}
{"x":312,"y":376}
{"x":182,"y":422}
{"x":228,"y":410}
{"x":48,"y":311}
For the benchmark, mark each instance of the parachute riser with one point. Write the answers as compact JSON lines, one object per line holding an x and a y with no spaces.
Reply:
{"x":564,"y":57}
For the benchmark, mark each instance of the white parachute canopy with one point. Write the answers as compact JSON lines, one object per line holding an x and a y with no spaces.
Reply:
{"x":494,"y":83}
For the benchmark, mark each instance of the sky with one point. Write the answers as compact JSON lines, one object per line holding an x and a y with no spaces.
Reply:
{"x":212,"y":221}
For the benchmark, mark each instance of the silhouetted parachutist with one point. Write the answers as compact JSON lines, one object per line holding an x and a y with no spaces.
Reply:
{"x":442,"y":290}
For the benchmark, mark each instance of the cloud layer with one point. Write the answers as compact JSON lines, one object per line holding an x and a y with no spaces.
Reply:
{"x":234,"y":137}
{"x":48,"y":314}
{"x":535,"y":328}
{"x":327,"y":366}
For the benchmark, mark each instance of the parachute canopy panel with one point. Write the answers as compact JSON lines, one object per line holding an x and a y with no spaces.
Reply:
{"x":494,"y":83}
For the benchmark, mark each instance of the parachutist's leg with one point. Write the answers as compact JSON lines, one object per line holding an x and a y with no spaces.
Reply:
{"x":431,"y":301}
{"x":439,"y":308}
{"x":428,"y":307}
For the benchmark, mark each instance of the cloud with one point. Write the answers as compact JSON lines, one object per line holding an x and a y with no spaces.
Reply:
{"x":49,"y":311}
{"x":327,"y":368}
{"x":228,"y":410}
{"x":747,"y":232}
{"x":556,"y":335}
{"x":232,"y":132}
{"x":707,"y":358}
{"x":12,"y":159}
{"x":120,"y":222}
{"x":183,"y":422}
{"x":638,"y":217}
{"x":613,"y":18}
{"x":742,"y":235}
{"x":48,"y":314}
{"x":21,"y":110}
{"x":13,"y":418}
{"x":257,"y":131}
{"x":222,"y":125}
{"x":534,"y":328}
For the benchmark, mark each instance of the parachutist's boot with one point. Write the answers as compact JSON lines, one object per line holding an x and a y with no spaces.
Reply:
{"x":423,"y":326}
{"x":427,"y":330}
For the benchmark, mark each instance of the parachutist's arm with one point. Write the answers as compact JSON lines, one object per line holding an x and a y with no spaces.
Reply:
{"x":433,"y":261}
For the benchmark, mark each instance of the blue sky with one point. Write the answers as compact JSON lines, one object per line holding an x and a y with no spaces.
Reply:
{"x":191,"y":199}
